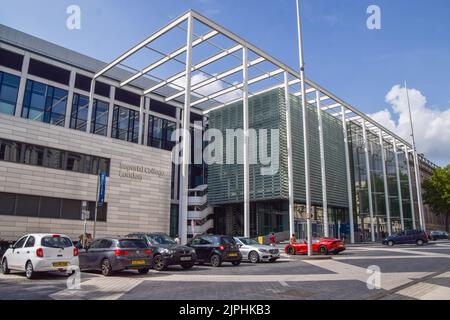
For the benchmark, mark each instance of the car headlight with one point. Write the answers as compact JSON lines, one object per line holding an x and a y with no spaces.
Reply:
{"x":192,"y":251}
{"x":262,"y":250}
{"x":167,"y":251}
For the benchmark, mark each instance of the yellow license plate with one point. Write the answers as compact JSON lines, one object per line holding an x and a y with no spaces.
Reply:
{"x":232,"y":254}
{"x":60,"y":264}
{"x":137,"y":262}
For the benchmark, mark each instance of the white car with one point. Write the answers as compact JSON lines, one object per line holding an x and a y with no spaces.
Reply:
{"x":255,"y":252}
{"x":41,"y":252}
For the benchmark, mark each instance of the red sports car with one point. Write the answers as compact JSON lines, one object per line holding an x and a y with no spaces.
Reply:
{"x":322,"y":246}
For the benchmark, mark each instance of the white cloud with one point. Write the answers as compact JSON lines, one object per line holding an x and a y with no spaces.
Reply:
{"x":431,"y":126}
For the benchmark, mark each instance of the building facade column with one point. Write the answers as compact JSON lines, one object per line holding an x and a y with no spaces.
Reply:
{"x":386,"y":189}
{"x":289,"y":154}
{"x":246,"y":136}
{"x":411,"y":194}
{"x":322,"y":167}
{"x":369,"y":182}
{"x":399,"y":186}
{"x":349,"y":178}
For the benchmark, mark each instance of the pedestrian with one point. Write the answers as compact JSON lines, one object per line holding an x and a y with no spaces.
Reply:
{"x":273,"y":239}
{"x":293,"y":239}
{"x":177,"y":239}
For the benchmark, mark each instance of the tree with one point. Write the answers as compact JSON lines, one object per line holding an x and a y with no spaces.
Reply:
{"x":437,"y":193}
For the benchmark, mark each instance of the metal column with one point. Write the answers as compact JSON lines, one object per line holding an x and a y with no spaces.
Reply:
{"x":419,"y":191}
{"x":289,"y":152}
{"x":186,"y":141}
{"x":369,"y":182}
{"x":322,"y":166}
{"x":305,"y":133}
{"x":90,"y":106}
{"x":411,"y":195}
{"x":386,"y":190}
{"x":245,"y":125}
{"x":399,"y":186}
{"x":349,"y":178}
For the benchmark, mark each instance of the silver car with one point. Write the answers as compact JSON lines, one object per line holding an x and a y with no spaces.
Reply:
{"x":255,"y":252}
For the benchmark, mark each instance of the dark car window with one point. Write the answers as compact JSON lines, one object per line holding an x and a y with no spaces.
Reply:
{"x":132,"y":243}
{"x":160,"y":239}
{"x":225,"y":240}
{"x":196,"y":241}
{"x":19,"y":243}
{"x":30,"y":242}
{"x":105,"y":244}
{"x":56,"y":242}
{"x":96,"y":244}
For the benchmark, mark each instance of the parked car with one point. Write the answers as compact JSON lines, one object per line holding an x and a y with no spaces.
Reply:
{"x":321,"y":246}
{"x":113,"y":254}
{"x":216,"y":249}
{"x":167,"y":252}
{"x":437,"y":235}
{"x":4,"y":245}
{"x":255,"y":252}
{"x":40,"y":252}
{"x":418,"y":237}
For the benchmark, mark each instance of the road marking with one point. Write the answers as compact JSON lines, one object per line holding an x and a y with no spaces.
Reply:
{"x":426,"y":291}
{"x":284,"y":284}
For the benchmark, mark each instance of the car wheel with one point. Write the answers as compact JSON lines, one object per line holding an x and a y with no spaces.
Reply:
{"x":5,"y":269}
{"x":216,"y":261}
{"x":106,"y":268}
{"x":419,"y":242}
{"x":158,"y":263}
{"x":236,"y":263}
{"x":29,"y":271}
{"x":143,"y":270}
{"x":187,"y":266}
{"x":253,"y":257}
{"x":323,"y":250}
{"x":390,"y":243}
{"x":291,"y":251}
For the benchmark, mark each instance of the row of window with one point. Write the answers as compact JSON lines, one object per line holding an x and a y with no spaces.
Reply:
{"x":46,"y":207}
{"x":48,"y":104}
{"x":32,"y":154}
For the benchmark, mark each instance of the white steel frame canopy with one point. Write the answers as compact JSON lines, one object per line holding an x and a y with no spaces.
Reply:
{"x":250,"y":58}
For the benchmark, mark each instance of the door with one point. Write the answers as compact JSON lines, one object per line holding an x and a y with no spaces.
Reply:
{"x":27,"y":251}
{"x":88,"y":257}
{"x":14,"y":259}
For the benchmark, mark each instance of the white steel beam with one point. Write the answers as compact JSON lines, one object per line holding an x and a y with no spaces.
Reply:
{"x":186,"y":141}
{"x":411,"y":195}
{"x":144,"y":43}
{"x":399,"y":186}
{"x":289,"y":155}
{"x":369,"y":181}
{"x":349,"y":179}
{"x":200,"y":65}
{"x":245,"y":107}
{"x":167,"y":58}
{"x":331,"y":106}
{"x":216,"y":78}
{"x":386,"y":189}
{"x":90,"y":106}
{"x":322,"y":166}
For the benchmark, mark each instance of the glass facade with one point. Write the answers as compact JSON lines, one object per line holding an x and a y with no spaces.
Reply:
{"x":160,"y":133}
{"x":9,"y":88}
{"x":99,"y":123}
{"x":44,"y":103}
{"x":125,"y":124}
{"x":80,"y":106}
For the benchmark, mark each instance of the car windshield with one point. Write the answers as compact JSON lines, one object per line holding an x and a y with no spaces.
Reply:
{"x":161,"y":239}
{"x":132,"y":243}
{"x":56,"y":242}
{"x":227,"y":240}
{"x":248,"y":242}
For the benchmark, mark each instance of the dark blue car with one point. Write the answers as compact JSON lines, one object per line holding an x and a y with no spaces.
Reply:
{"x":417,"y":237}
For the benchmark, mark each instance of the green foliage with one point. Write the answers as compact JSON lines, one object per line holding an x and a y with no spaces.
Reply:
{"x":437,"y":192}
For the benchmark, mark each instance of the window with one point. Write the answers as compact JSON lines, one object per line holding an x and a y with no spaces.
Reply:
{"x":30,"y":242}
{"x":105,"y":244}
{"x":46,"y":207}
{"x":44,"y":103}
{"x":160,"y":133}
{"x":95,"y":244}
{"x":132,"y":244}
{"x":9,"y":87}
{"x":56,"y":242}
{"x":11,"y":59}
{"x":99,"y":124}
{"x":48,"y":71}
{"x":31,"y":154}
{"x":20,"y":243}
{"x":125,"y":124}
{"x":80,"y":106}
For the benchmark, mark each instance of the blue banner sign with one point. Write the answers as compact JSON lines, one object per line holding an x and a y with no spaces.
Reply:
{"x":102,"y":189}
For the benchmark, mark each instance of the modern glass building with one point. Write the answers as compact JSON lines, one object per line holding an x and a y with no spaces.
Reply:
{"x":64,"y":117}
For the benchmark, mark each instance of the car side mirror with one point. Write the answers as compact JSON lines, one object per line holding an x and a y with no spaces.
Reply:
{"x":239,"y":245}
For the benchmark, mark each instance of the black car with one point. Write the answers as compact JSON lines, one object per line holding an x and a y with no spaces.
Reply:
{"x":216,"y":249}
{"x":418,"y":237}
{"x":4,"y":245}
{"x":167,"y":252}
{"x":437,"y":235}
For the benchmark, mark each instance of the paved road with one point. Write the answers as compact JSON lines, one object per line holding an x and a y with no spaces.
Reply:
{"x":406,"y":272}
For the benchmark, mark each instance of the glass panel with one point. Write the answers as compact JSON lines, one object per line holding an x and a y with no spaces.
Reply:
{"x":100,"y":118}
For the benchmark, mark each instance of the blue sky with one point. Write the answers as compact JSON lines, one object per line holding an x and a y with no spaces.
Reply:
{"x":357,"y":64}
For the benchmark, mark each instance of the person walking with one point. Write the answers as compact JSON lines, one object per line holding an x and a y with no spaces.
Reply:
{"x":273,"y":239}
{"x":177,"y":239}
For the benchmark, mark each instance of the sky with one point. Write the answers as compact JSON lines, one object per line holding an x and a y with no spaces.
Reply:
{"x":364,"y":67}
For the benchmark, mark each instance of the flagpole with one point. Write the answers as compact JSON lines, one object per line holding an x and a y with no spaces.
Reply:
{"x":305,"y":132}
